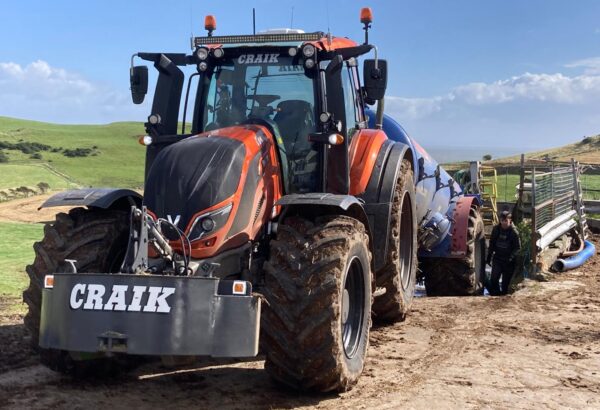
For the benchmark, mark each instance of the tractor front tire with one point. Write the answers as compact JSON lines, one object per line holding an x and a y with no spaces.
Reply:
{"x":315,"y":327}
{"x":398,"y":277}
{"x":97,"y":240}
{"x":459,"y":277}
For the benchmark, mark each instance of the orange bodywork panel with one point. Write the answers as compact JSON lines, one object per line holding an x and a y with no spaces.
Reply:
{"x":336,"y":43}
{"x":258,"y":141}
{"x":364,"y":148}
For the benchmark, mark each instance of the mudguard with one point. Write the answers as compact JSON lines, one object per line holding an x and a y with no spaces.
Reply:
{"x":380,"y":193}
{"x":455,"y":244}
{"x":95,"y":197}
{"x":309,"y":203}
{"x":342,"y":201}
{"x":459,"y":233}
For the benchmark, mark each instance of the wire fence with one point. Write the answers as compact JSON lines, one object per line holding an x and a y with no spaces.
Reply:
{"x":552,"y":194}
{"x":508,"y":181}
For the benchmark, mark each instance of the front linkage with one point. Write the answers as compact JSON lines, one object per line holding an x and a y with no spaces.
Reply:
{"x":152,"y":307}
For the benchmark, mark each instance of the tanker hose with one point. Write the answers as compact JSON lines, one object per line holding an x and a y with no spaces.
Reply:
{"x":588,"y":251}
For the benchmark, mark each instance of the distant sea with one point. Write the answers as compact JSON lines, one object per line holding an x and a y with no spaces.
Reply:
{"x":445,"y":154}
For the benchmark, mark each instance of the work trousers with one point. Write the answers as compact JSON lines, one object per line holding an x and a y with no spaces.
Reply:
{"x":502,"y":269}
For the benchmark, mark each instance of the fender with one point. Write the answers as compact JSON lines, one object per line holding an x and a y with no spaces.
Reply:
{"x":364,"y":150}
{"x":458,"y":246}
{"x":454,"y":245}
{"x":314,"y":204}
{"x":380,"y":193}
{"x":104,"y":198}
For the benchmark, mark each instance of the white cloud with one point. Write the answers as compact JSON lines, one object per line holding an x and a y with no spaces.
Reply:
{"x":590,"y":65}
{"x":523,"y":112}
{"x":42,"y":92}
{"x":553,"y":88}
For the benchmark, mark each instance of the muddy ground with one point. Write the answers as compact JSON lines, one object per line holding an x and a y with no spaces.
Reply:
{"x":539,"y":347}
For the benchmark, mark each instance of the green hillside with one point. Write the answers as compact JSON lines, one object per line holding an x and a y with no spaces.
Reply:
{"x":585,"y":151}
{"x":67,"y":155}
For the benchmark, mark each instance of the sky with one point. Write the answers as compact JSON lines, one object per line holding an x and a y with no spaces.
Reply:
{"x":510,"y":75}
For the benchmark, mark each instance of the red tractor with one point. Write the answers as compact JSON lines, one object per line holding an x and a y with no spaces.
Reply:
{"x":286,"y":211}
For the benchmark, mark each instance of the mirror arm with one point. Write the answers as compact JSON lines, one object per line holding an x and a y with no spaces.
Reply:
{"x":379,"y":114}
{"x":132,"y":57}
{"x":374,"y":48}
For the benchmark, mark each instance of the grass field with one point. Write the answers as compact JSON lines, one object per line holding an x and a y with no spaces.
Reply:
{"x":117,"y":159}
{"x":507,"y":183}
{"x":16,"y":252}
{"x":16,"y":175}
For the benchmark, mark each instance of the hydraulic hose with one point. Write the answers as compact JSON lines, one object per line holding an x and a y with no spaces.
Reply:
{"x":588,"y":251}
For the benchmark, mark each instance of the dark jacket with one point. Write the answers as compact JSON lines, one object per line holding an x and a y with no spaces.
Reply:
{"x":504,"y":244}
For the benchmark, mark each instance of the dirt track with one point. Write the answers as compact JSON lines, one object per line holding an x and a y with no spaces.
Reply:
{"x":538,"y":347}
{"x":26,"y":210}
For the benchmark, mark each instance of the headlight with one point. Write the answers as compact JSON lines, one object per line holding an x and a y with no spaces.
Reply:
{"x":209,"y":222}
{"x":218,"y":52}
{"x":202,"y":66}
{"x":202,"y":53}
{"x":308,"y":50}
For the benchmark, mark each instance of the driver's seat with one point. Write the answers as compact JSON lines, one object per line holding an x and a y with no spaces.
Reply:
{"x":295,"y":121}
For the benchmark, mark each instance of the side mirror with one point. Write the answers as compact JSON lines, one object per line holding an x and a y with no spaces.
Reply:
{"x":138,"y":78}
{"x":375,"y":80}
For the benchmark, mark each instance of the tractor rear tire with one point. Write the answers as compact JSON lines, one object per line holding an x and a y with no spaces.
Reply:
{"x":315,"y":327}
{"x":399,"y":275}
{"x":459,"y":277}
{"x":97,"y":240}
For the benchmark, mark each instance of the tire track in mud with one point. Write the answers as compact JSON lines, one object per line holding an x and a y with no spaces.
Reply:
{"x":539,"y":347}
{"x":455,"y":325}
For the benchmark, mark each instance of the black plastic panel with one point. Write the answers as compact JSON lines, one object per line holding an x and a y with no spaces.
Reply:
{"x":95,"y":197}
{"x":242,"y":216}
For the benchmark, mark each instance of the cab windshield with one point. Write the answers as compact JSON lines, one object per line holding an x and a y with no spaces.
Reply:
{"x":273,"y":88}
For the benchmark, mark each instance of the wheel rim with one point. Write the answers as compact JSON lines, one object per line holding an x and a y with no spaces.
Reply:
{"x":406,"y":241}
{"x":353,"y":308}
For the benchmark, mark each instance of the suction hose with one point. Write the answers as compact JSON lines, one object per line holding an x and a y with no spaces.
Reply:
{"x":588,"y":251}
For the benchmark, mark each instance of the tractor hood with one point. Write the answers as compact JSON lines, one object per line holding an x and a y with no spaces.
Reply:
{"x":192,"y":175}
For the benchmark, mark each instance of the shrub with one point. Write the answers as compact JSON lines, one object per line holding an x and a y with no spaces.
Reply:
{"x":77,"y":152}
{"x":3,"y":157}
{"x":25,"y":147}
{"x":487,"y":157}
{"x":43,"y":186}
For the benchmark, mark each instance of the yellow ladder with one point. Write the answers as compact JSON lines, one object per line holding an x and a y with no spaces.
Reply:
{"x":488,"y":187}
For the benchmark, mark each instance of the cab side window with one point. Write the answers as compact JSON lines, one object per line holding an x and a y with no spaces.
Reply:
{"x":349,"y":102}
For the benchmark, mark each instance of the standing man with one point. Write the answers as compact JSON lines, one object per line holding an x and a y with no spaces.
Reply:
{"x":504,"y":247}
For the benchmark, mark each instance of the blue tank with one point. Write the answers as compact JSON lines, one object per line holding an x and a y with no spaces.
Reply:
{"x":436,"y":191}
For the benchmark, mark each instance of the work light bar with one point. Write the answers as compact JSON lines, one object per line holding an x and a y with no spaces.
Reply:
{"x":259,"y":38}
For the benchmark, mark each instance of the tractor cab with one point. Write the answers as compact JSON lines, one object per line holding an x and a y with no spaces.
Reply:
{"x":303,"y":88}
